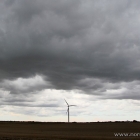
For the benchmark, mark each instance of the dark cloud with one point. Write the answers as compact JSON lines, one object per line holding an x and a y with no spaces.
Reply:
{"x":72,"y":44}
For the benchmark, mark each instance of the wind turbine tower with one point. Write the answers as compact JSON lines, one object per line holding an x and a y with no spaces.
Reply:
{"x":68,"y":109}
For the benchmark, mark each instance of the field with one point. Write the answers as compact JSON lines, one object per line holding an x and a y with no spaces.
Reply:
{"x":65,"y":131}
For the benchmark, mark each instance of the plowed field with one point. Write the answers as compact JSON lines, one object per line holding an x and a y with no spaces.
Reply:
{"x":65,"y":131}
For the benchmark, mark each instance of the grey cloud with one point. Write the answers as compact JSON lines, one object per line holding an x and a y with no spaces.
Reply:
{"x":121,"y":90}
{"x":27,"y":100}
{"x":25,"y":104}
{"x":25,"y":10}
{"x":9,"y":2}
{"x":22,"y":86}
{"x":69,"y":42}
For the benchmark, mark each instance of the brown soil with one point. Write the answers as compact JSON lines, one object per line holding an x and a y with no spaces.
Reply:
{"x":65,"y":131}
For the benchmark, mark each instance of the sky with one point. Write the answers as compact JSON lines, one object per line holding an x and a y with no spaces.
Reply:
{"x":84,"y":51}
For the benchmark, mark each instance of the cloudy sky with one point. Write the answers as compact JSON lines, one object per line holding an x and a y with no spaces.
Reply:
{"x":84,"y":51}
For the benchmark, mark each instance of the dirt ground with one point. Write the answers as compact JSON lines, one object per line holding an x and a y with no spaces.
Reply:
{"x":65,"y":131}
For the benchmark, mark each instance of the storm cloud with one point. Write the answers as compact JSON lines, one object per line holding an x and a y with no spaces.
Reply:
{"x":91,"y":45}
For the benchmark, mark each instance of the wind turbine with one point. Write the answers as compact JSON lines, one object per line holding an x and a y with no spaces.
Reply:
{"x":68,"y":108}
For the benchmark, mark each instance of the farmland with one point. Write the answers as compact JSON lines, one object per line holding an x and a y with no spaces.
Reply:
{"x":64,"y":131}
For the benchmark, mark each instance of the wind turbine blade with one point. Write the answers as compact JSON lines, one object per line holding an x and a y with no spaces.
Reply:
{"x":72,"y":105}
{"x":66,"y":102}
